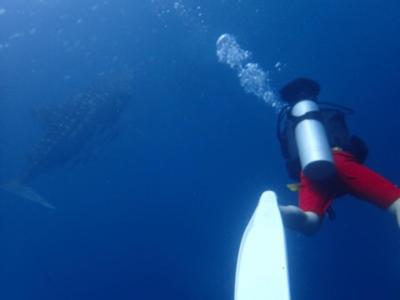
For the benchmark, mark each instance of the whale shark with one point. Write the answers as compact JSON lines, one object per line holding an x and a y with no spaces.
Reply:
{"x":68,"y":131}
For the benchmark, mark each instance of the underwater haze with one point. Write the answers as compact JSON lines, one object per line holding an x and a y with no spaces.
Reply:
{"x":134,"y":147}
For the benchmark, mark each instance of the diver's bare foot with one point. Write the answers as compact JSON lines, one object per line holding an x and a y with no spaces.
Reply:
{"x":292,"y":216}
{"x":295,"y":218}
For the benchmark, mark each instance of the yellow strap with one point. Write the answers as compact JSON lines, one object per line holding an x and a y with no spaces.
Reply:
{"x":293,"y":187}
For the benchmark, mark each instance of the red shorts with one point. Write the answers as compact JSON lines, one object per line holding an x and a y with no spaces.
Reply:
{"x":352,"y":178}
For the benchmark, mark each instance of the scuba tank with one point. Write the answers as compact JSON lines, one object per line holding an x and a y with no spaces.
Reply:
{"x":313,"y":146}
{"x":312,"y":143}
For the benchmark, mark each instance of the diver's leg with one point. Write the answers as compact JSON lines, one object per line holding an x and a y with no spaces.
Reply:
{"x":368,"y":185}
{"x":295,"y":218}
{"x":314,"y":200}
{"x":395,"y":209}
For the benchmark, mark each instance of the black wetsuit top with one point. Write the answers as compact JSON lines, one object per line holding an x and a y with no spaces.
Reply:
{"x":334,"y":120}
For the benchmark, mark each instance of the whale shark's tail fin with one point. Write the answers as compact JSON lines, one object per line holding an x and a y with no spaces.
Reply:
{"x":25,"y":192}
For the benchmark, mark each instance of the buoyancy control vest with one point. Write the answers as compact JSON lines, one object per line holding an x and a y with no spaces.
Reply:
{"x":333,"y":118}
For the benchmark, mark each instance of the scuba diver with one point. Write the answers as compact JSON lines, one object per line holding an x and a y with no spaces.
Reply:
{"x":325,"y":158}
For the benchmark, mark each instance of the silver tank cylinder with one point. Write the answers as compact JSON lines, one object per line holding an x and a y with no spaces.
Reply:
{"x":312,"y":143}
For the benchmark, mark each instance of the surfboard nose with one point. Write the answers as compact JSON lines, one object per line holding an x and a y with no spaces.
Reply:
{"x":268,"y":196}
{"x":261,"y":271}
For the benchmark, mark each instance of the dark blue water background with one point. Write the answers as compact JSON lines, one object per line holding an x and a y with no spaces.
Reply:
{"x":158,"y":212}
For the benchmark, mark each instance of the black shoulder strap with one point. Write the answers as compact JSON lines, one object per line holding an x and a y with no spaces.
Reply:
{"x":311,"y":115}
{"x":281,"y":116}
{"x":343,"y":109}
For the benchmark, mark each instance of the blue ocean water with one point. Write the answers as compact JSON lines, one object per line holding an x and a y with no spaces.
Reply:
{"x":158,"y":210}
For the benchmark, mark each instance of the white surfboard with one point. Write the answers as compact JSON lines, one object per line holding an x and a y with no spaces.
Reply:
{"x":262,"y":272}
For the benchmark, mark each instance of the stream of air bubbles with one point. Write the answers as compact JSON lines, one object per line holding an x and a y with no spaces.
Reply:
{"x":253,"y":79}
